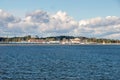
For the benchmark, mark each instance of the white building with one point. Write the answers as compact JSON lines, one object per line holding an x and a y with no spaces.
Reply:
{"x":65,"y":42}
{"x":54,"y":42}
{"x":75,"y":41}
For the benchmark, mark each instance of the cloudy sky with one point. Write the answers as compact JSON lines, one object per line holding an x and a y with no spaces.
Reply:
{"x":89,"y":18}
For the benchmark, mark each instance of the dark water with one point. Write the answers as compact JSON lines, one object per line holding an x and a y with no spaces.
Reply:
{"x":86,"y":62}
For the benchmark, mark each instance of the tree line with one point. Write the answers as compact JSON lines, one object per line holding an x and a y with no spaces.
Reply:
{"x":60,"y":38}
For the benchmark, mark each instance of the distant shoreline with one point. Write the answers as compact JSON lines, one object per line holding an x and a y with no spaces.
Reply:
{"x":39,"y":44}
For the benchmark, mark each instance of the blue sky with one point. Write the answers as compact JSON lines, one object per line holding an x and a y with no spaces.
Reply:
{"x":89,"y":18}
{"x":78,"y":9}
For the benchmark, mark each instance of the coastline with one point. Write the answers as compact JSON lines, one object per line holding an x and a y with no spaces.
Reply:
{"x":39,"y":44}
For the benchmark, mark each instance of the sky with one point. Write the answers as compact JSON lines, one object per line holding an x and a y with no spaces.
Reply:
{"x":89,"y":18}
{"x":79,"y":9}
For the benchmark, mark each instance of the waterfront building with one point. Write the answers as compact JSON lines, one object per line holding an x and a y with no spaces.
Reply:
{"x":75,"y":41}
{"x":36,"y":41}
{"x":54,"y":42}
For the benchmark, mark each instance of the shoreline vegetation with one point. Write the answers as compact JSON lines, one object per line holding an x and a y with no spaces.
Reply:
{"x":57,"y":40}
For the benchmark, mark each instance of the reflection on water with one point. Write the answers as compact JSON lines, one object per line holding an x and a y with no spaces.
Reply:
{"x":88,"y":62}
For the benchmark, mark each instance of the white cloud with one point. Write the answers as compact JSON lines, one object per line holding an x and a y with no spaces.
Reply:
{"x":5,"y":19}
{"x":60,"y":23}
{"x":41,"y":22}
{"x":113,"y":36}
{"x":99,"y":27}
{"x":38,"y":16}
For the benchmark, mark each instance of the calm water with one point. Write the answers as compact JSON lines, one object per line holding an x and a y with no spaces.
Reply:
{"x":86,"y":62}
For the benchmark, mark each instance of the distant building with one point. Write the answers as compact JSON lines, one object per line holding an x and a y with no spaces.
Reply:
{"x":103,"y":42}
{"x":75,"y":41}
{"x":54,"y":42}
{"x":36,"y":41}
{"x":65,"y":41}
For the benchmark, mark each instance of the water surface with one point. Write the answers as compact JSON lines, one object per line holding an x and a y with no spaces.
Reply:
{"x":60,"y":62}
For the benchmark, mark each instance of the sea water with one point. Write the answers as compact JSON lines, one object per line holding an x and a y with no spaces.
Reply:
{"x":60,"y":62}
